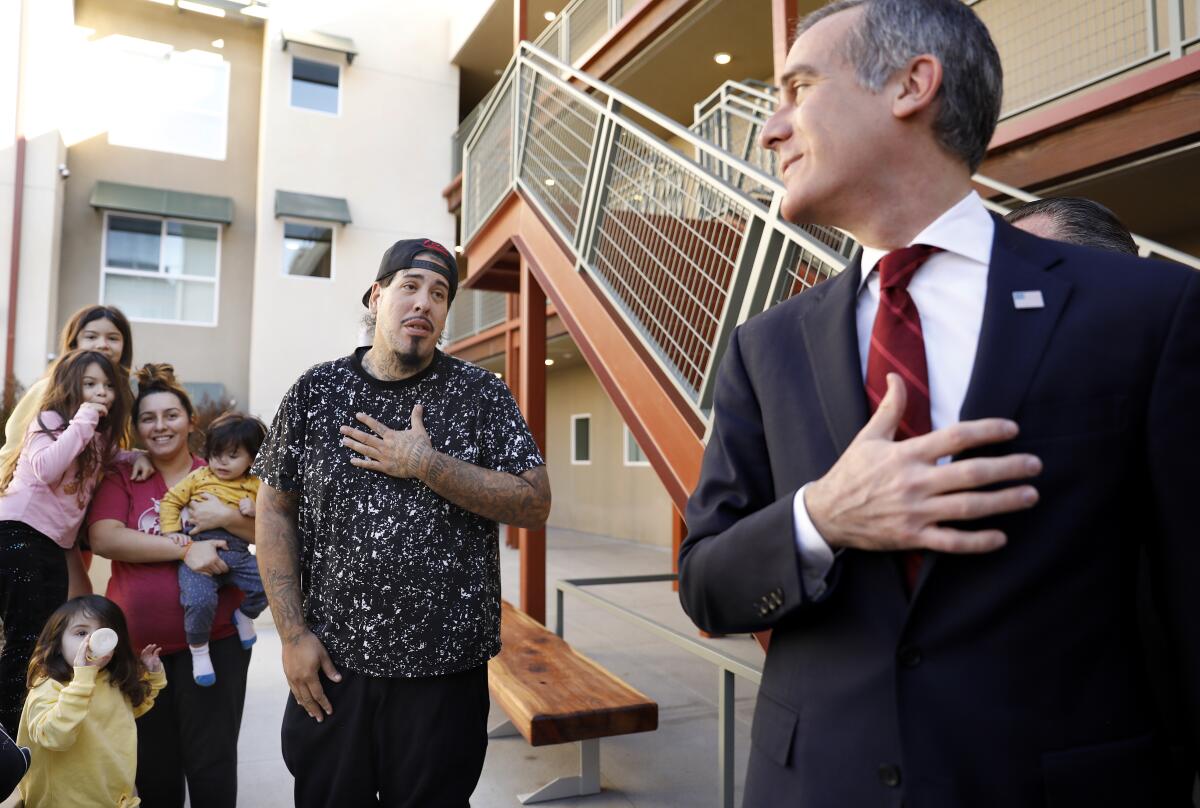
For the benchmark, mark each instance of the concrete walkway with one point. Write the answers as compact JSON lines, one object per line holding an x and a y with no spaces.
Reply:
{"x":674,"y":766}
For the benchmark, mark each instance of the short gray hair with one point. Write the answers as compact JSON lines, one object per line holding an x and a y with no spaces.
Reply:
{"x":892,"y":32}
{"x":1080,"y":221}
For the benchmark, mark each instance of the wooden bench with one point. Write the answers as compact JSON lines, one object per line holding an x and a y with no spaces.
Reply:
{"x":552,"y":694}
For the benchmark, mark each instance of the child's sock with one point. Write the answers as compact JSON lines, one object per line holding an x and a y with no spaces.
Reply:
{"x":245,"y":628}
{"x":202,"y":667}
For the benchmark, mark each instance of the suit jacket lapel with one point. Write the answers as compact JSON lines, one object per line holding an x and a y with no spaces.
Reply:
{"x":1012,"y":341}
{"x":831,"y":339}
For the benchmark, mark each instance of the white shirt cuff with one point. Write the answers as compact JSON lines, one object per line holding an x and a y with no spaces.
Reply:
{"x":816,"y":556}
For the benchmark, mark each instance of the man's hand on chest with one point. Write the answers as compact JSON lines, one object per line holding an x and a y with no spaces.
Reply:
{"x":401,"y":453}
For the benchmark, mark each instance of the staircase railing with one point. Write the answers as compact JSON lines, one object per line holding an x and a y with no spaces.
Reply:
{"x":679,"y":246}
{"x":733,"y":117}
{"x":475,"y":311}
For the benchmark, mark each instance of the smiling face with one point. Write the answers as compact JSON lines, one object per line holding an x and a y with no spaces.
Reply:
{"x":101,"y":335}
{"x":411,"y":313}
{"x":97,"y":388}
{"x":231,"y":463}
{"x":164,"y":425}
{"x":830,"y":133}
{"x":78,"y":630}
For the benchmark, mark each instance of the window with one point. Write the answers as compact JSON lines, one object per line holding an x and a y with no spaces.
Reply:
{"x":633,"y":453}
{"x":307,"y":250}
{"x":315,"y":85}
{"x":164,"y":100}
{"x":161,"y":270}
{"x":581,"y":440}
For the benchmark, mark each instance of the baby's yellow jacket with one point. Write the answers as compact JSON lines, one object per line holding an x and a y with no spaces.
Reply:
{"x":82,"y":741}
{"x":202,"y":481}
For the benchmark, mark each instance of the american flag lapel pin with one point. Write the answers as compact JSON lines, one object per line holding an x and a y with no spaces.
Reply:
{"x":1029,"y":299}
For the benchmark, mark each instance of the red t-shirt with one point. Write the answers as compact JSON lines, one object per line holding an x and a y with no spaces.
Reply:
{"x":149,"y":593}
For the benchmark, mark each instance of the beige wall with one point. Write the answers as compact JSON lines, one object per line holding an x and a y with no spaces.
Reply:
{"x":199,"y":353}
{"x":605,"y":497}
{"x":37,"y":288}
{"x":43,"y":22}
{"x":387,"y":153}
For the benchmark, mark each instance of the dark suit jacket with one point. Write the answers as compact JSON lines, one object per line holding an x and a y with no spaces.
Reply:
{"x":1013,"y":678}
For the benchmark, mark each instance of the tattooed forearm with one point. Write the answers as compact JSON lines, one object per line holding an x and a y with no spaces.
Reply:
{"x":521,"y":501}
{"x":278,"y":554}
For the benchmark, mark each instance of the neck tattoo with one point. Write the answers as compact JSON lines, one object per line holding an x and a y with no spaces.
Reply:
{"x":389,"y":366}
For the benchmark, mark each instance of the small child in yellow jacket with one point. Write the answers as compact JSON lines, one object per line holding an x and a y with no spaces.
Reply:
{"x":78,"y":720}
{"x":230,"y":446}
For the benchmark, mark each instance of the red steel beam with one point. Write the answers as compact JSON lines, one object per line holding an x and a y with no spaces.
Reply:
{"x":532,"y":384}
{"x":666,"y":433}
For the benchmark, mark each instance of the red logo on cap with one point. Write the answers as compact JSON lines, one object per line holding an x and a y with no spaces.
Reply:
{"x":433,"y":245}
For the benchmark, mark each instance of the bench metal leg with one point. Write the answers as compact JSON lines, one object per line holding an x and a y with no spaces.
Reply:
{"x":504,"y":729}
{"x":587,"y":782}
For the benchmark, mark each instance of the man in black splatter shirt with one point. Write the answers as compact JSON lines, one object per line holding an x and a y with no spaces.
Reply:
{"x":383,"y":480}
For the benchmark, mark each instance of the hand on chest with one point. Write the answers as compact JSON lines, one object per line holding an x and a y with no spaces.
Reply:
{"x":399,"y":435}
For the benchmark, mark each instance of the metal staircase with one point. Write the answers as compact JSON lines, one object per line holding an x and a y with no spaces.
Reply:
{"x":683,"y":247}
{"x":652,"y":255}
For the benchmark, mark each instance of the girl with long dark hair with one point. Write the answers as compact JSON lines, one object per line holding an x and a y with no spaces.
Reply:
{"x":79,"y":716}
{"x":45,"y":491}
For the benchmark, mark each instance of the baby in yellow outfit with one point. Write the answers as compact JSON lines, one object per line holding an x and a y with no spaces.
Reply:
{"x":238,"y":493}
{"x":230,"y":446}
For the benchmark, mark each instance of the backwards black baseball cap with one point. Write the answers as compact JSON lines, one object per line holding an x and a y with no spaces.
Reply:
{"x":403,"y":255}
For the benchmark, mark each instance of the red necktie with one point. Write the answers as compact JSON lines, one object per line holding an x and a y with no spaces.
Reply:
{"x":898,"y":346}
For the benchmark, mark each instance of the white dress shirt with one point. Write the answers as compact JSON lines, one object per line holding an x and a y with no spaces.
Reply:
{"x":949,"y":291}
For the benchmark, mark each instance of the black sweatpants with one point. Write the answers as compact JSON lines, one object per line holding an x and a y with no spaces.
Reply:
{"x":191,"y":732}
{"x":33,"y":583}
{"x":399,"y":743}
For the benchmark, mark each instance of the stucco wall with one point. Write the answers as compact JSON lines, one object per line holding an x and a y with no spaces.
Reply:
{"x":199,"y":353}
{"x":387,"y":153}
{"x":605,"y":497}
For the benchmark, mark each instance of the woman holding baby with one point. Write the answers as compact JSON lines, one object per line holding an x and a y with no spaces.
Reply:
{"x":191,"y":735}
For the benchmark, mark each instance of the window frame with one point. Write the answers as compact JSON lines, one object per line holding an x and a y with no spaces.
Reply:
{"x":574,"y":455}
{"x":625,"y":444}
{"x":340,"y":87}
{"x":333,"y":236}
{"x":215,"y":280}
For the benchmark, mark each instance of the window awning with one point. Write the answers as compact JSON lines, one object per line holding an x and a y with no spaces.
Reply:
{"x":316,"y":39}
{"x":311,"y":206}
{"x":162,"y":202}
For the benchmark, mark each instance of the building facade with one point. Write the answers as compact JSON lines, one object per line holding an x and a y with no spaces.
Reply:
{"x":226,"y":173}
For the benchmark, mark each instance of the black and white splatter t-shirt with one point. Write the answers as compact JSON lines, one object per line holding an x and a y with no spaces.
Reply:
{"x":397,"y":581}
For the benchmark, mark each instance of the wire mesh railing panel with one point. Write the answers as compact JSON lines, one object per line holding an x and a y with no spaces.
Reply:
{"x":666,"y":245}
{"x":802,"y":269}
{"x":459,"y":138}
{"x":587,"y":21}
{"x":475,"y":311}
{"x":1054,"y":46}
{"x":550,"y":40}
{"x":734,"y":121}
{"x":557,"y":131}
{"x":488,"y":174}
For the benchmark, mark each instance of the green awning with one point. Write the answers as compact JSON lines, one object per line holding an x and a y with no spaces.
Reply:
{"x":316,"y":39}
{"x":162,"y":202}
{"x":311,"y":206}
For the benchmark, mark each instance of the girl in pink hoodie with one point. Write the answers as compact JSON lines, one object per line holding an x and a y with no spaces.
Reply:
{"x":46,"y":490}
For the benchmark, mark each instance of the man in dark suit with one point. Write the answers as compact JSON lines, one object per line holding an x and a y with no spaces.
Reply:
{"x":932,"y":474}
{"x":1089,"y":224}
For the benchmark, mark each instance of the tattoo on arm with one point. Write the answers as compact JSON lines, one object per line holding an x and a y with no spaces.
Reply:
{"x":278,"y":551}
{"x":519,"y":500}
